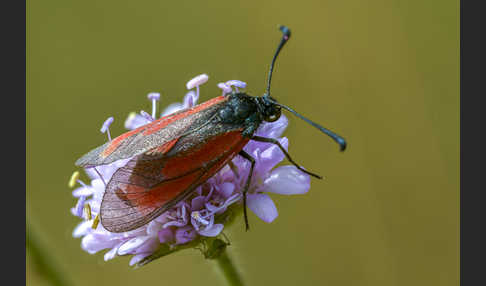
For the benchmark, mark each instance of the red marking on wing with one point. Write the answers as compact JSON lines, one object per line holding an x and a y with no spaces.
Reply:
{"x":207,"y":152}
{"x":238,"y":146}
{"x":166,"y":191}
{"x":117,"y":141}
{"x":148,"y":200}
{"x":156,"y":125}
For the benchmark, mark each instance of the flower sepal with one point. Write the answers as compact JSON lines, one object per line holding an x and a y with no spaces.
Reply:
{"x":213,"y":247}
{"x":164,"y":250}
{"x":210,"y":247}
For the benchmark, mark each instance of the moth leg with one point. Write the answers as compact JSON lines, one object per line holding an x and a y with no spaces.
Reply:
{"x":234,"y":169}
{"x":247,"y":184}
{"x":275,"y":141}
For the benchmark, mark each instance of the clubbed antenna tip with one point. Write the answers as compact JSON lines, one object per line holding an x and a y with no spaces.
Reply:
{"x":285,"y":30}
{"x":286,"y":35}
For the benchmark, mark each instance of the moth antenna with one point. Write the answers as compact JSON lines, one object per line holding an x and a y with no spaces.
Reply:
{"x":285,"y":38}
{"x":340,"y":140}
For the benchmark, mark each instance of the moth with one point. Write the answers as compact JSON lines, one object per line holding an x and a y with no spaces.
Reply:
{"x":170,"y":157}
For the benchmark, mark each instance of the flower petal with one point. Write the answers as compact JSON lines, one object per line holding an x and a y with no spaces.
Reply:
{"x":270,"y":156}
{"x":166,"y":235}
{"x":112,"y":253}
{"x":153,"y":227}
{"x":263,"y":206}
{"x":98,"y":185}
{"x":287,"y":180}
{"x":83,"y":191}
{"x":226,"y":189}
{"x":178,"y":223}
{"x":137,"y":258}
{"x":197,"y":203}
{"x":79,"y":207}
{"x":131,"y":245}
{"x":135,"y":120}
{"x":149,"y":246}
{"x":172,"y":108}
{"x":93,"y":243}
{"x":212,"y":231}
{"x":82,"y":228}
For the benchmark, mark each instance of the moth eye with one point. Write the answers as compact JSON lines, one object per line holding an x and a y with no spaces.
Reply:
{"x":273,"y":117}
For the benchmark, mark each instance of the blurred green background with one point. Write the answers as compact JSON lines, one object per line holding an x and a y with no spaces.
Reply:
{"x":384,"y":74}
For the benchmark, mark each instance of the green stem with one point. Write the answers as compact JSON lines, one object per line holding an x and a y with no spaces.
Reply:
{"x":43,"y":263}
{"x":228,"y":270}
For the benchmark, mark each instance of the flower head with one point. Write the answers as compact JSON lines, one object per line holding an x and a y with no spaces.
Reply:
{"x":213,"y":204}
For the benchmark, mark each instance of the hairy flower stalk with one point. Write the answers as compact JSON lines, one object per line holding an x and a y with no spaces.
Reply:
{"x":198,"y":221}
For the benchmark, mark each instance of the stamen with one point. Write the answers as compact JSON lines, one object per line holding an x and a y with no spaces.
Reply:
{"x":154,"y":96}
{"x":147,"y":116}
{"x":101,"y":177}
{"x":171,"y":217}
{"x":236,"y":83}
{"x":106,"y":127}
{"x":208,"y":197}
{"x":74,"y":179}
{"x":226,"y":88}
{"x":87,"y":211}
{"x":96,"y":221}
{"x":234,"y":198}
{"x":183,"y":211}
{"x":196,"y":82}
{"x":195,"y":215}
{"x":190,"y":99}
{"x":211,"y":220}
{"x":82,"y":183}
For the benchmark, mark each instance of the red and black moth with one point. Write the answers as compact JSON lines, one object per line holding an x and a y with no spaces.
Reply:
{"x":172,"y":156}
